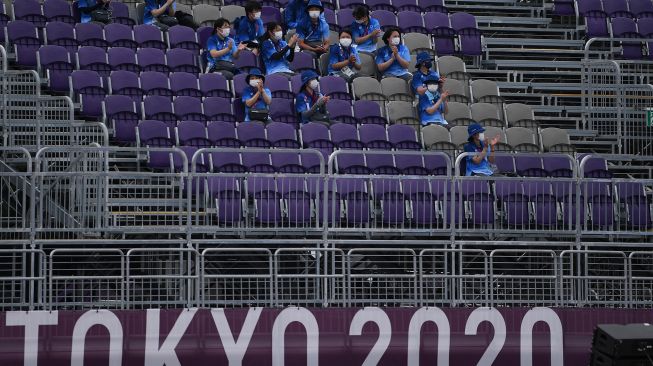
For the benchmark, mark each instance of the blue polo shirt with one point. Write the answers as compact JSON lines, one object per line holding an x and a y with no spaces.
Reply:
{"x":248,"y":93}
{"x":418,"y":79}
{"x":361,"y":30}
{"x":85,"y":18}
{"x":247,"y":30}
{"x":484,"y":166}
{"x":337,"y":53}
{"x":216,"y":43}
{"x":310,"y":32}
{"x":295,"y":13}
{"x":268,"y":49}
{"x":395,"y":69}
{"x":427,"y":100}
{"x":150,"y":5}
{"x":304,"y":102}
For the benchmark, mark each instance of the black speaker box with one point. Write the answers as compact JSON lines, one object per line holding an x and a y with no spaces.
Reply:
{"x":623,"y":341}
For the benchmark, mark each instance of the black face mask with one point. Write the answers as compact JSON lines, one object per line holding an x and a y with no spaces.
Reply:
{"x":428,"y":64}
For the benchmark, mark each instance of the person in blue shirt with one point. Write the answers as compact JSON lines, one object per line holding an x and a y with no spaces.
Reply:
{"x":393,"y":58}
{"x":276,"y":53}
{"x":255,"y":95}
{"x":433,"y":104}
{"x":423,"y":71}
{"x":221,"y":50}
{"x":343,"y":57}
{"x":310,"y":104}
{"x":250,"y":27}
{"x":313,"y":32}
{"x":156,"y":8}
{"x":365,"y":30}
{"x":295,"y":13}
{"x":482,"y":151}
{"x":87,"y":7}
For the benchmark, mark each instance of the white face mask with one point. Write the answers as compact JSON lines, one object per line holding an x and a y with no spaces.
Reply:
{"x":345,"y":42}
{"x":314,"y":84}
{"x":395,"y":41}
{"x":254,"y":83}
{"x":481,"y":136}
{"x":433,"y":88}
{"x":278,"y":35}
{"x":257,"y":15}
{"x":225,"y":32}
{"x":314,"y":14}
{"x":360,"y":21}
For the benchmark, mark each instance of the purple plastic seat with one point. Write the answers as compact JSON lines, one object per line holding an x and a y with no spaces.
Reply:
{"x":302,"y":61}
{"x":594,"y":167}
{"x":282,"y":110}
{"x":159,"y":108}
{"x":436,"y":164}
{"x":95,"y":59}
{"x":55,"y":61}
{"x":481,"y":201}
{"x":382,"y":164}
{"x":58,"y":11}
{"x":203,"y":34}
{"x":180,"y":59}
{"x":271,"y":14}
{"x":637,"y":206}
{"x":529,"y":166}
{"x":155,"y":83}
{"x":154,"y":133}
{"x":557,"y":166}
{"x":381,"y":5}
{"x":389,"y":200}
{"x":223,"y":134}
{"x":469,"y":34}
{"x":87,"y":85}
{"x":90,"y":34}
{"x":544,"y":202}
{"x":120,"y":14}
{"x":345,"y":136}
{"x":296,"y":83}
{"x":627,"y":28}
{"x":279,"y":86}
{"x":287,"y":162}
{"x":368,"y":112}
{"x":641,"y":8}
{"x":595,"y":18}
{"x":345,"y":17}
{"x":311,"y":162}
{"x":351,"y":4}
{"x":4,"y":20}
{"x":152,"y":59}
{"x":30,"y":11}
{"x":185,"y":84}
{"x":24,"y":37}
{"x":316,"y":136}
{"x":252,"y":134}
{"x":120,"y":112}
{"x":266,"y":198}
{"x":282,"y":135}
{"x":355,"y":194}
{"x":404,"y":137}
{"x":120,"y":35}
{"x":330,"y":17}
{"x":247,"y":61}
{"x":352,"y":164}
{"x":617,"y":8}
{"x":387,"y":19}
{"x":257,"y":161}
{"x":411,"y":21}
{"x":122,"y":58}
{"x":406,"y":5}
{"x":227,"y":193}
{"x":340,"y":111}
{"x":296,"y":198}
{"x":149,"y":36}
{"x":192,"y":133}
{"x":423,"y":202}
{"x":432,"y":5}
{"x":374,"y":137}
{"x":61,"y":34}
{"x":563,"y":7}
{"x":227,"y":162}
{"x":184,"y":37}
{"x":214,"y":85}
{"x":444,"y":35}
{"x":505,"y":164}
{"x":219,"y":109}
{"x":335,"y":87}
{"x":126,"y":83}
{"x":239,"y":84}
{"x":189,"y":109}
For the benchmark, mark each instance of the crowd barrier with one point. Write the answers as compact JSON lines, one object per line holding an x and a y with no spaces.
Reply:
{"x":322,"y":277}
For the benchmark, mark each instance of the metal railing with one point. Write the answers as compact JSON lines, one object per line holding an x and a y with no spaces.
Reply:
{"x":322,"y":277}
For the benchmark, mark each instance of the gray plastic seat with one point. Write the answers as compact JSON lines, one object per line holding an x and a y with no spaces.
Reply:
{"x":556,"y":140}
{"x":401,"y":112}
{"x":454,"y":68}
{"x":486,"y":114}
{"x":502,"y":145}
{"x":458,"y":114}
{"x":434,"y":134}
{"x":486,"y":91}
{"x":185,"y":8}
{"x":418,"y":42}
{"x":368,"y":66}
{"x":520,"y":115}
{"x":368,"y":88}
{"x":458,"y":91}
{"x":458,"y":135}
{"x":522,"y":139}
{"x":396,"y":89}
{"x":231,"y":12}
{"x":205,"y":14}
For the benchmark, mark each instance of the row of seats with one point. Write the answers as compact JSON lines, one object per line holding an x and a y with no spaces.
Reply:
{"x":627,"y":28}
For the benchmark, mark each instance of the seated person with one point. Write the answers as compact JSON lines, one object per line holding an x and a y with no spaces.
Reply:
{"x":393,"y":58}
{"x":87,"y":7}
{"x":250,"y":27}
{"x":309,"y":103}
{"x":313,"y":32}
{"x":295,"y":13}
{"x":433,"y":104}
{"x":423,"y":71}
{"x":276,"y":53}
{"x":221,"y":50}
{"x":160,"y":13}
{"x":343,"y":58}
{"x":483,"y":153}
{"x":257,"y":99}
{"x":365,"y":30}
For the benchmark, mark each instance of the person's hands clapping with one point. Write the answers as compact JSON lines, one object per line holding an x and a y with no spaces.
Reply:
{"x":495,"y":140}
{"x":293,"y":40}
{"x":445,"y":95}
{"x":352,"y":59}
{"x":242,"y":46}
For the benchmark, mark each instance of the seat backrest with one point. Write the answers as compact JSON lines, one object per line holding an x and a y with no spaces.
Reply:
{"x":400,"y":109}
{"x":552,"y":136}
{"x":520,"y":135}
{"x":450,"y":64}
{"x":481,"y":111}
{"x":434,"y":133}
{"x":417,"y":41}
{"x":518,"y":111}
{"x":205,"y":14}
{"x":364,"y":85}
{"x":457,"y":110}
{"x":458,"y":135}
{"x":482,"y":87}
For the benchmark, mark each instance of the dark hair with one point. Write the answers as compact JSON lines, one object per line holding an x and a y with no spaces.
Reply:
{"x":389,"y":32}
{"x":269,"y":27}
{"x":252,"y":6}
{"x":219,"y":23}
{"x":361,"y":12}
{"x":346,"y":30}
